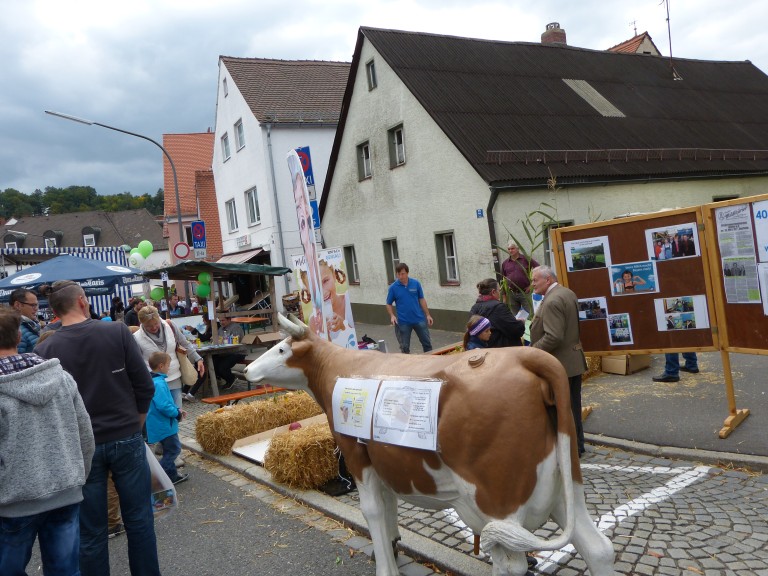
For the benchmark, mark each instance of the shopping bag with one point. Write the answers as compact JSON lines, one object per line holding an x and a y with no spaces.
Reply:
{"x":163,"y":497}
{"x":188,"y":372}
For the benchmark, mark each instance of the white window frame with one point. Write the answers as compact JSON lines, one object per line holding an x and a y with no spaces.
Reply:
{"x":350,"y":259}
{"x":391,"y":258}
{"x":89,"y":240}
{"x":11,"y":245}
{"x":370,"y":74}
{"x":449,"y":259}
{"x":396,"y":149}
{"x":239,"y":135}
{"x":225,"y":147}
{"x":252,"y":206}
{"x":231,"y":209}
{"x":364,"y":165}
{"x":50,"y":243}
{"x":225,"y":87}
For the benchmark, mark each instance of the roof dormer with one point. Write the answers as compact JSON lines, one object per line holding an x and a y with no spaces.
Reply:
{"x":53,"y":238}
{"x":14,"y":240}
{"x":91,"y":235}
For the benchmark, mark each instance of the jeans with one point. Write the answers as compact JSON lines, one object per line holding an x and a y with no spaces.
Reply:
{"x":127,"y":460}
{"x":59,"y":535}
{"x":672,"y":366}
{"x":404,"y":336}
{"x":574,"y":383}
{"x":171,"y":449}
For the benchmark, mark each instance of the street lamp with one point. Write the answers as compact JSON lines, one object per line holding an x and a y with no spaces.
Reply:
{"x":173,"y":168}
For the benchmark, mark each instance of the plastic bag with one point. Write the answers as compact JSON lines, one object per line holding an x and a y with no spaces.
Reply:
{"x":164,"y":498}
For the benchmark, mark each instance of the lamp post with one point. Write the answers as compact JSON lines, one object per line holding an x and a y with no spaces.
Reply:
{"x":168,"y":156}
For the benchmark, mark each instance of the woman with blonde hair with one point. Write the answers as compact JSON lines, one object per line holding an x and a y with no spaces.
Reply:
{"x":154,"y":335}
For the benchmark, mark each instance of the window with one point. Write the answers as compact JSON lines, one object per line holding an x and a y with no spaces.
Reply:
{"x":231,"y":215}
{"x":225,"y":87}
{"x":548,"y":260}
{"x":89,"y":240}
{"x":350,"y":258}
{"x":50,"y":242}
{"x":188,"y":235}
{"x":364,"y":161}
{"x":239,"y":134}
{"x":225,"y":146}
{"x":252,"y":206}
{"x":391,"y":258}
{"x":11,"y":245}
{"x":447,"y":261}
{"x":724,"y":198}
{"x":396,"y":146}
{"x":370,"y":73}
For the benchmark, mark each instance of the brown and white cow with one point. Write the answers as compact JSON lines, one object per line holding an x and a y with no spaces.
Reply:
{"x":506,"y":458}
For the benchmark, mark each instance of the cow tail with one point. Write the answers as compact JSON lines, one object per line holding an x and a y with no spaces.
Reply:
{"x":512,"y":535}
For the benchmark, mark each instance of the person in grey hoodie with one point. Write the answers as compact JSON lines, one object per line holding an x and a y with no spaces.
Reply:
{"x":46,"y":448}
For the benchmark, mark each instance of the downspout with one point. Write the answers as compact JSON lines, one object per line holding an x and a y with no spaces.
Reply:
{"x":277,"y":205}
{"x":492,"y":229}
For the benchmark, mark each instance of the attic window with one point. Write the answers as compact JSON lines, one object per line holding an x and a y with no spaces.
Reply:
{"x":89,"y":240}
{"x":50,"y":243}
{"x":370,"y":73}
{"x":225,"y":87}
{"x":594,"y":98}
{"x":11,"y":245}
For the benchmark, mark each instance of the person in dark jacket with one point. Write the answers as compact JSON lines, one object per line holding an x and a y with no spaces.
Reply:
{"x":505,"y":329}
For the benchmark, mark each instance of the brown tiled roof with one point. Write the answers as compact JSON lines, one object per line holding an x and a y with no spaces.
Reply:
{"x":631,"y":46}
{"x":117,"y":228}
{"x":490,"y":96}
{"x":190,"y":153}
{"x":290,"y":90}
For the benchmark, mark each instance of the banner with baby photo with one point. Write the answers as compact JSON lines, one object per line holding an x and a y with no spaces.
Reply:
{"x":337,"y":305}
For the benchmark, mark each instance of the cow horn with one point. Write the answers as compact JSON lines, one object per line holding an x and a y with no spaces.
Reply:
{"x":292,"y":326}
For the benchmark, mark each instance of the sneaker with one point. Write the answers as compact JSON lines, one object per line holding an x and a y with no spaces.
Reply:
{"x":180,"y":478}
{"x":666,"y":378}
{"x":689,"y":370}
{"x":116,"y":530}
{"x":188,"y":397}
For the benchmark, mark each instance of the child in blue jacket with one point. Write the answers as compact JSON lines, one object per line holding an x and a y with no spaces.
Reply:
{"x":163,"y":417}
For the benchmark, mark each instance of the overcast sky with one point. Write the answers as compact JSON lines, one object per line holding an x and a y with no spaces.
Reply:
{"x":150,"y":66}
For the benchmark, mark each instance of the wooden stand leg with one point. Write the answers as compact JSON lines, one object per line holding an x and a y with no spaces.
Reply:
{"x":733,"y":421}
{"x":737,"y":416}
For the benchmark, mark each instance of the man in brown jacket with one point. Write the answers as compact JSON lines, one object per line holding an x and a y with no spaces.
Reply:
{"x":555,"y":329}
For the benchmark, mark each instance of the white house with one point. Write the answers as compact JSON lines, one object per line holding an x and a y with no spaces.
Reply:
{"x":266,"y":108}
{"x":446,"y":143}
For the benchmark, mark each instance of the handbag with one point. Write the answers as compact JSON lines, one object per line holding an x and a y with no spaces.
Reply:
{"x":188,"y":372}
{"x":163,"y":497}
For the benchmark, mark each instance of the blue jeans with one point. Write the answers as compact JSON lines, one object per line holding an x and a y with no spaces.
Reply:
{"x":672,"y":366}
{"x":127,"y":459}
{"x":404,"y":336}
{"x":59,"y":534}
{"x":171,"y":449}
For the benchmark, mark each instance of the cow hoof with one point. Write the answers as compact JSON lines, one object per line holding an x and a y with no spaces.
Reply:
{"x":395,"y":551}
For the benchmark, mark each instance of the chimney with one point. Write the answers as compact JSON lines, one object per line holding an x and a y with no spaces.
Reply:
{"x":554,"y":34}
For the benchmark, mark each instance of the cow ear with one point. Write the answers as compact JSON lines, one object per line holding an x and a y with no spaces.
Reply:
{"x":295,"y":329}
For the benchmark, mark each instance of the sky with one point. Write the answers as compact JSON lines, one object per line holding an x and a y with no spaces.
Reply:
{"x":151,"y":66}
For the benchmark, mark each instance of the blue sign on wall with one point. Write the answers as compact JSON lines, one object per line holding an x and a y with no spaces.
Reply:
{"x":306,"y":164}
{"x":315,"y":214}
{"x":198,"y":234}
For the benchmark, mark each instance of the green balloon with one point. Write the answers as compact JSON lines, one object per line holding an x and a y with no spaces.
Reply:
{"x":145,"y":248}
{"x":157,"y":293}
{"x":133,"y":251}
{"x":204,"y":278}
{"x":203,"y":290}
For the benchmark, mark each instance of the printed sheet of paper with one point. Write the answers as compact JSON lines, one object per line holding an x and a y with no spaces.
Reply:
{"x":734,"y":231}
{"x":587,"y":253}
{"x":740,"y":280}
{"x":353,"y":403}
{"x":762,"y":273}
{"x":681,"y":313}
{"x":620,"y":329}
{"x":760,"y":211}
{"x":406,"y":413}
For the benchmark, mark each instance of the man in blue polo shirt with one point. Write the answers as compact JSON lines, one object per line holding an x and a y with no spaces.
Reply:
{"x":412,"y":312}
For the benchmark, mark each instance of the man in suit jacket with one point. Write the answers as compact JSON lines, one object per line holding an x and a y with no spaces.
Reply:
{"x":555,"y":329}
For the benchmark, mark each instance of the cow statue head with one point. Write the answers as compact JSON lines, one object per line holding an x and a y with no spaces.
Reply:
{"x":281,"y":365}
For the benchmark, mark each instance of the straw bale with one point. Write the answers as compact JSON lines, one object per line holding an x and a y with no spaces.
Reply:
{"x":303,"y":458}
{"x":217,"y":431}
{"x":594,"y":367}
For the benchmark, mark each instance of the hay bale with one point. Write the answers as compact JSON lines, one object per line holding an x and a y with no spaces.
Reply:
{"x":304,"y":458}
{"x":217,"y":431}
{"x":594,"y":367}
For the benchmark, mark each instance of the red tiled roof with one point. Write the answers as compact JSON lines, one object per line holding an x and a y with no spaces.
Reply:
{"x":633,"y":44}
{"x":190,"y":153}
{"x":290,"y":90}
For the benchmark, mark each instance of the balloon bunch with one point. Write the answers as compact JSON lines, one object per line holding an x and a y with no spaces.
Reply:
{"x":157,"y":293}
{"x":204,"y":287}
{"x":138,"y":255}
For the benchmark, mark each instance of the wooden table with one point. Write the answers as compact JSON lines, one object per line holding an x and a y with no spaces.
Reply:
{"x":207,"y":352}
{"x":246,"y":321}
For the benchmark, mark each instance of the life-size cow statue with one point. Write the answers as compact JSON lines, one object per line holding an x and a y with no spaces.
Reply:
{"x":506,"y":457}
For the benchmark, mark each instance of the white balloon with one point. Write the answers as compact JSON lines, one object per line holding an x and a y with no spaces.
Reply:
{"x":136,"y":260}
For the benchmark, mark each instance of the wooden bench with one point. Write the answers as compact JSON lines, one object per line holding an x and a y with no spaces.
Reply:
{"x":235,"y":397}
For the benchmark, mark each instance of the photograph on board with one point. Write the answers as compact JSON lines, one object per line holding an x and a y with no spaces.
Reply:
{"x":675,"y":241}
{"x":587,"y":253}
{"x":619,"y":329}
{"x":633,"y":278}
{"x":593,"y":308}
{"x":681,"y":313}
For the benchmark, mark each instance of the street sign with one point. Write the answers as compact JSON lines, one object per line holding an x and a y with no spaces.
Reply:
{"x":181,"y":250}
{"x":198,"y":235}
{"x":200,"y":253}
{"x":315,"y":213}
